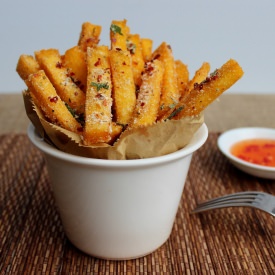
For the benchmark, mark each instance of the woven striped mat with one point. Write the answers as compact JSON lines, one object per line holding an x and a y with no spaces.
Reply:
{"x":225,"y":241}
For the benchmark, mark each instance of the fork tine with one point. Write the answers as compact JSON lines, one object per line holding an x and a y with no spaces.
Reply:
{"x":259,"y":200}
{"x":248,"y":196}
{"x":222,"y":205}
{"x":244,"y":199}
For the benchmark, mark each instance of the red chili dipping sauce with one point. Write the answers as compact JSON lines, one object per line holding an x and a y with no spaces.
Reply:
{"x":256,"y":151}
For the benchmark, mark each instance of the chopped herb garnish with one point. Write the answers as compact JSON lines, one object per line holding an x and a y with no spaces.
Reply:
{"x":175,"y":112}
{"x":79,"y":118}
{"x":71,"y":110}
{"x":214,"y":73}
{"x":100,"y":85}
{"x":116,"y":29}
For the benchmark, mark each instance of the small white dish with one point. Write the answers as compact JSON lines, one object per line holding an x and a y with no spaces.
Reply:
{"x":228,"y":138}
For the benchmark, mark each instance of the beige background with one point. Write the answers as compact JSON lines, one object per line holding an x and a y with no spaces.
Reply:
{"x":229,"y":111}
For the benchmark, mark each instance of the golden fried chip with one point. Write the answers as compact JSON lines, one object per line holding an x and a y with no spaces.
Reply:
{"x":119,"y":32}
{"x":169,"y":94}
{"x":74,"y":60}
{"x":208,"y":90}
{"x":98,"y":116}
{"x":89,"y":36}
{"x":124,"y":92}
{"x":116,"y":130}
{"x":182,"y":76}
{"x":26,"y":65}
{"x":147,"y":107}
{"x":135,"y":49}
{"x":45,"y":97}
{"x":199,"y":76}
{"x":146,"y":45}
{"x":61,"y":78}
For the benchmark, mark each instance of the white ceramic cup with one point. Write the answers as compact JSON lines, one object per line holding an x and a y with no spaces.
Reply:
{"x":118,"y":209}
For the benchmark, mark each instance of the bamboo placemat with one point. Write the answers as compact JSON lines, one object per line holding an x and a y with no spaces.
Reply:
{"x":225,"y":241}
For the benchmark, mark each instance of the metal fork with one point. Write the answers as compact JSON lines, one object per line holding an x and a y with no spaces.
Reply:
{"x":258,"y":200}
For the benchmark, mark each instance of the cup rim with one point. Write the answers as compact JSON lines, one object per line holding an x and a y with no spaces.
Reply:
{"x":196,"y":142}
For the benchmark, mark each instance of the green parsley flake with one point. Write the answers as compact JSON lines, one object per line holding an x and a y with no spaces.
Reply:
{"x":215,"y":73}
{"x":71,"y":110}
{"x":116,"y":29}
{"x":79,"y":117}
{"x":175,"y":112}
{"x":100,"y":85}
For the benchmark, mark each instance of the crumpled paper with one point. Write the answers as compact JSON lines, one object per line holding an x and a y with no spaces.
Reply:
{"x":155,"y":140}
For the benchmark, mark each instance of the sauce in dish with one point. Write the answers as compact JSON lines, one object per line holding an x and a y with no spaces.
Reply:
{"x":256,"y":151}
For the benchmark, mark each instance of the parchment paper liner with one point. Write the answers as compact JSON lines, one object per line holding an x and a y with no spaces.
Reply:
{"x":151,"y":141}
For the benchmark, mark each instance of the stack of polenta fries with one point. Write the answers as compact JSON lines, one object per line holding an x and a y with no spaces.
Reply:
{"x":99,"y":91}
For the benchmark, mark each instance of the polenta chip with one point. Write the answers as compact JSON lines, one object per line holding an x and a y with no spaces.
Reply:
{"x":98,"y":116}
{"x":182,"y":77}
{"x":26,"y":65}
{"x":119,"y":32}
{"x":50,"y":61}
{"x":146,"y":45}
{"x":135,"y":49}
{"x":74,"y":60}
{"x":199,"y":76}
{"x":89,"y":36}
{"x":208,"y":90}
{"x":170,"y":93}
{"x":124,"y":90}
{"x":44,"y":95}
{"x":147,"y":107}
{"x":116,"y":130}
